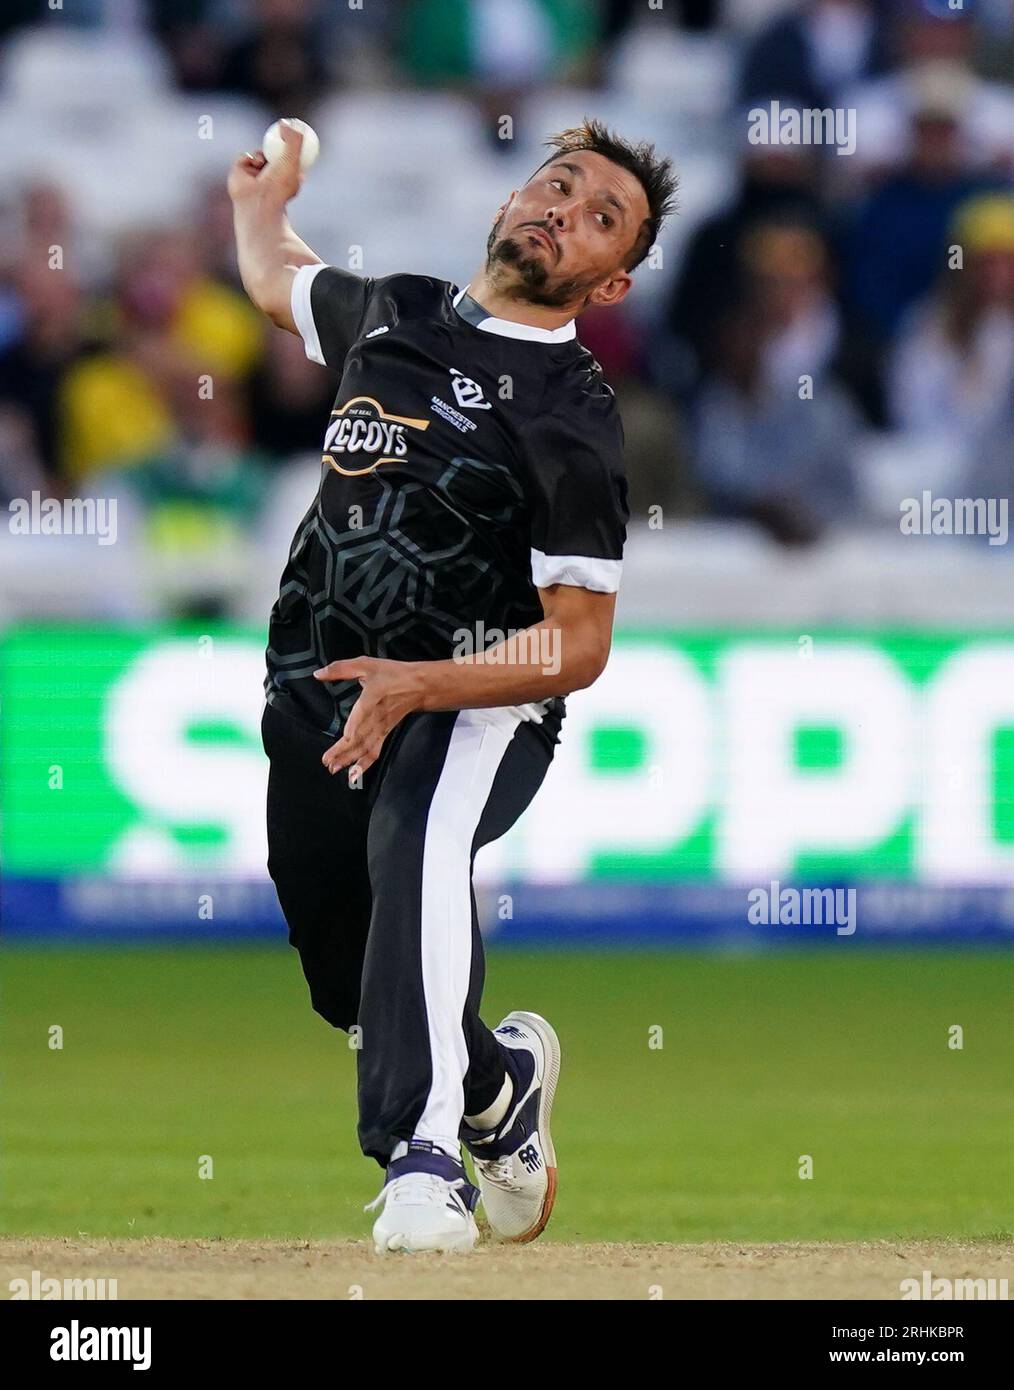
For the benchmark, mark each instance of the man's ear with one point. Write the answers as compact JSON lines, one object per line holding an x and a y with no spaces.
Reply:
{"x":611,"y":291}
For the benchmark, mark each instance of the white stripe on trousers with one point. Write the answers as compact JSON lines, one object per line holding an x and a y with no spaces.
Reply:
{"x":478,"y":742}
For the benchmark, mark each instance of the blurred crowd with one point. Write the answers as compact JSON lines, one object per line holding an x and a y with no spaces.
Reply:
{"x":834,"y":329}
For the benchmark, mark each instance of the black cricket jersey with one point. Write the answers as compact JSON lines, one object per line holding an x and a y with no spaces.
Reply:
{"x":467,"y":462}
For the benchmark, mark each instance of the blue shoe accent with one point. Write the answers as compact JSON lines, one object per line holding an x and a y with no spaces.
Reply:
{"x":517,"y":1123}
{"x":424,"y":1157}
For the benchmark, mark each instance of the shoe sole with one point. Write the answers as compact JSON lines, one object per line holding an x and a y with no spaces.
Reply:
{"x":459,"y":1245}
{"x":551,"y":1049}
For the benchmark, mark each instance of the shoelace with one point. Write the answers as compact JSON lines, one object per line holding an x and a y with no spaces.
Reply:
{"x":415,"y":1187}
{"x":499,"y":1172}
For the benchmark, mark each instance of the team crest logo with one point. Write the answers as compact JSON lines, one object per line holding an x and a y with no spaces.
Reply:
{"x":468,"y":393}
{"x":362,"y":427}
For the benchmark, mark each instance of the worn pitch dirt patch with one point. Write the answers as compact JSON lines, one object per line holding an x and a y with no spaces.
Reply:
{"x":238,"y":1269}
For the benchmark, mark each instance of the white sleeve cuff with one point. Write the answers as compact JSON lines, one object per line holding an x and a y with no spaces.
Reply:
{"x":580,"y":571}
{"x":303,"y":313}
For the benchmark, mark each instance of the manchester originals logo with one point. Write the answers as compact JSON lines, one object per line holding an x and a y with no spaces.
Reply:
{"x":363,"y":426}
{"x":467,"y":392}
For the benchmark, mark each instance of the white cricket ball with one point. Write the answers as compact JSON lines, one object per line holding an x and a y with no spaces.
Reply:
{"x":274,"y":146}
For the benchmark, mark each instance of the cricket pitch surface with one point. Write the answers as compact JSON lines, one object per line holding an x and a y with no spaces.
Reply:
{"x":156,"y":1268}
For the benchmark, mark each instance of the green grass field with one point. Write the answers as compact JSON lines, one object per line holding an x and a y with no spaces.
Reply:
{"x":840,"y":1054}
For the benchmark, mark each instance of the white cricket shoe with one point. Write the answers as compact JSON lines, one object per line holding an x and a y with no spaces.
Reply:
{"x":427,"y":1203}
{"x":515,"y":1163}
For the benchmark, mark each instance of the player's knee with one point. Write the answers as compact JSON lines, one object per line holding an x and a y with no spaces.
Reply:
{"x":386,"y":843}
{"x":394,"y":835}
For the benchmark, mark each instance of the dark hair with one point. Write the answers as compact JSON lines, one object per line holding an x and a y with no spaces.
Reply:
{"x":655,"y":174}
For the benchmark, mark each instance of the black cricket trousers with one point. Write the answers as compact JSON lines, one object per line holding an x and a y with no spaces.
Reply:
{"x":376,"y":887}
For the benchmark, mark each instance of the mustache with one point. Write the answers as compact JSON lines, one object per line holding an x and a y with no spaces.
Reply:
{"x":547,"y":230}
{"x":494,"y":235}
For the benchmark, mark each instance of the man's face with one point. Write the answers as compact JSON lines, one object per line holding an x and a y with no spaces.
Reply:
{"x":562,"y":240}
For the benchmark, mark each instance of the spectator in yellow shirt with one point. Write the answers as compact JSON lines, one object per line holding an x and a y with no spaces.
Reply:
{"x":173,"y":330}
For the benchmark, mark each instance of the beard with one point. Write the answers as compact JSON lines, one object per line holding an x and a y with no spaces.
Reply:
{"x":531,"y":277}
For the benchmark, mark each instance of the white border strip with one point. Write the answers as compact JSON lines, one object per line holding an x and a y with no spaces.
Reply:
{"x":504,"y":328}
{"x":302,"y":311}
{"x":581,"y":571}
{"x":478,"y":742}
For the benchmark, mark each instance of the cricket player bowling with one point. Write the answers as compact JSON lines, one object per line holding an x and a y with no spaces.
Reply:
{"x":472,"y":482}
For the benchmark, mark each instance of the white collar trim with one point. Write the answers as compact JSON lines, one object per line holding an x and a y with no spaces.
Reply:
{"x":526,"y":331}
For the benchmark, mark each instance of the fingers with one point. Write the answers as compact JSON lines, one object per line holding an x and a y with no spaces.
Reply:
{"x":333,"y":758}
{"x":356,"y":749}
{"x":356,"y":754}
{"x":347,"y":751}
{"x":354,"y":668}
{"x":245,"y":172}
{"x":292,"y":139}
{"x":285,"y":168}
